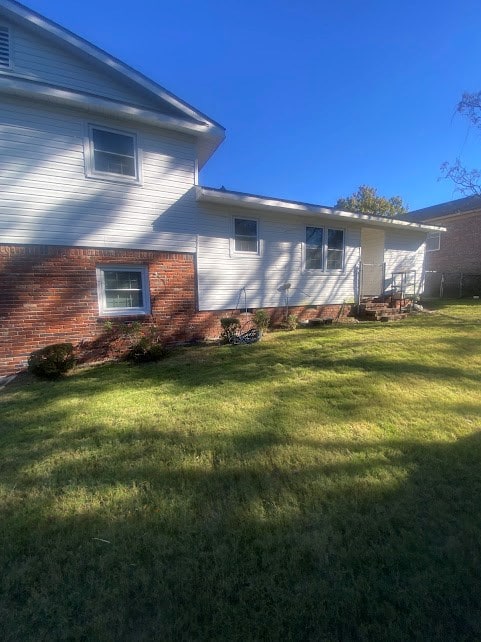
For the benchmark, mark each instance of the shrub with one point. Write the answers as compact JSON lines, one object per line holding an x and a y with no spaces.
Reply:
{"x":230,"y":328}
{"x":261,"y":319}
{"x":291,"y":322}
{"x":146,"y":350}
{"x":52,"y":361}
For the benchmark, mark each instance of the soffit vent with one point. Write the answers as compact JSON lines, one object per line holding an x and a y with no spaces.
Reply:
{"x":4,"y":47}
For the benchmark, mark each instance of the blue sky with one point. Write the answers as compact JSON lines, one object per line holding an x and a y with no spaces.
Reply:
{"x":317,"y":97}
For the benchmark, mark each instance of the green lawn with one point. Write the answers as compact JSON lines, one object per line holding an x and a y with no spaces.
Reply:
{"x":319,"y":485}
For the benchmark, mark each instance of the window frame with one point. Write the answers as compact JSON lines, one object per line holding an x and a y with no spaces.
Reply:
{"x":433,"y":235}
{"x":104,"y":310}
{"x":89,"y":151}
{"x":233,"y":250}
{"x":325,"y":248}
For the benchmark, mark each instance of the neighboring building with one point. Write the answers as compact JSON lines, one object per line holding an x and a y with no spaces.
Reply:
{"x":102,"y":217}
{"x":453,"y":259}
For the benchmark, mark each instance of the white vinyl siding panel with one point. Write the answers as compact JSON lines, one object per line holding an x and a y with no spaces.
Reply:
{"x":38,"y":58}
{"x":404,"y":252}
{"x":222,"y":276}
{"x":46,"y":197}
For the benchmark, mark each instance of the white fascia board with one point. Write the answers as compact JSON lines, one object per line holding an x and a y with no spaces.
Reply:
{"x":212,"y":135}
{"x":249,"y":201}
{"x":57,"y":32}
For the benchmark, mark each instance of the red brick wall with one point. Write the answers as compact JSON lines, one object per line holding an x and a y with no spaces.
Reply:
{"x":460,"y":247}
{"x":48,"y":294}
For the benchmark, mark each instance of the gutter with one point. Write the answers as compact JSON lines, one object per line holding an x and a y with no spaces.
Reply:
{"x":270,"y":204}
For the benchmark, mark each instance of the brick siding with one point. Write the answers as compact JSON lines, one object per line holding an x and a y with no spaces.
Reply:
{"x":49,"y":295}
{"x":460,"y":247}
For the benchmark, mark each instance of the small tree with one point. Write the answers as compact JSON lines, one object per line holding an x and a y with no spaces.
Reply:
{"x":367,"y":201}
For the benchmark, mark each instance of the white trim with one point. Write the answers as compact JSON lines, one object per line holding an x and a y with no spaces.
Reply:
{"x":233,"y":251}
{"x":250,"y":201}
{"x":104,"y":311}
{"x":91,"y":172}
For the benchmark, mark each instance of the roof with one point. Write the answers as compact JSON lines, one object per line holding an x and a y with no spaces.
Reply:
{"x":268,"y":203}
{"x":184,"y":116}
{"x":450,"y":208}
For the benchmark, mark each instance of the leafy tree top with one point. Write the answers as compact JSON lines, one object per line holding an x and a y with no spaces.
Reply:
{"x":367,"y":201}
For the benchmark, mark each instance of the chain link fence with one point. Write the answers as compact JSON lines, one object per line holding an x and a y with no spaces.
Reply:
{"x":452,"y":285}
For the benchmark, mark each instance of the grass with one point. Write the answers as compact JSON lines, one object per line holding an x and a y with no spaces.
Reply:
{"x":318,"y":485}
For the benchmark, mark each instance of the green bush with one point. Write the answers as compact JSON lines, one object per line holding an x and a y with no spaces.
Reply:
{"x":52,"y":361}
{"x":291,"y":322}
{"x":261,"y":320}
{"x":146,"y":350}
{"x":230,"y":328}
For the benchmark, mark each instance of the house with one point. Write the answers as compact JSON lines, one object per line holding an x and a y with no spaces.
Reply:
{"x":102,"y":216}
{"x":453,"y":259}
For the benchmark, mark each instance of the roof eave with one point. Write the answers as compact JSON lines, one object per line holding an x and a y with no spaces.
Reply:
{"x":249,"y":201}
{"x":209,"y":136}
{"x":37,"y":21}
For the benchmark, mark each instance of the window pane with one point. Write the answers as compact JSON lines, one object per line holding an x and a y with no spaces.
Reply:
{"x":433,"y":241}
{"x":245,"y":235}
{"x":335,"y":239}
{"x":123,"y":299}
{"x":334,"y":260}
{"x":335,"y":249}
{"x":314,"y":237}
{"x":111,"y":142}
{"x":114,"y":153}
{"x":123,"y":289}
{"x":113,"y":164}
{"x":122,"y":280}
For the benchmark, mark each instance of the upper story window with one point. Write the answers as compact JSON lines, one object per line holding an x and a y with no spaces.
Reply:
{"x":112,"y":154}
{"x":324,"y":249}
{"x":246,"y":235}
{"x":433,"y":241}
{"x":123,"y":290}
{"x":5,"y":61}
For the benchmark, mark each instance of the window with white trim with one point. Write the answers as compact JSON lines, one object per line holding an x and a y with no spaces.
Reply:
{"x":246,"y":236}
{"x":5,"y":61}
{"x":324,"y":249}
{"x":123,"y":290}
{"x":433,"y":241}
{"x":112,"y":154}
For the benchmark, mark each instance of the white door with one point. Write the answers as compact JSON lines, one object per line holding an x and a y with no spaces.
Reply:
{"x":372,"y":259}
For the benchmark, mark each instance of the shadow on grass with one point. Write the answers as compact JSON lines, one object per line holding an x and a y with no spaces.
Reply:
{"x":265,"y":537}
{"x":235,"y":522}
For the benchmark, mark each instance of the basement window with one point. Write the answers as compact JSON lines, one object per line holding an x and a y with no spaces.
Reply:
{"x":5,"y":61}
{"x":112,"y":154}
{"x":123,"y":290}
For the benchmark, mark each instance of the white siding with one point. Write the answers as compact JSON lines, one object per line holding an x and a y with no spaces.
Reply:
{"x":222,"y":276}
{"x":46,"y":198}
{"x":405,"y":251}
{"x":36,"y":58}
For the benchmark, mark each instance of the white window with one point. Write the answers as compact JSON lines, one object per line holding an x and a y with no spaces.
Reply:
{"x":5,"y":61}
{"x":324,"y":249}
{"x":433,"y":241}
{"x":246,"y":236}
{"x":112,"y":154}
{"x":123,"y":290}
